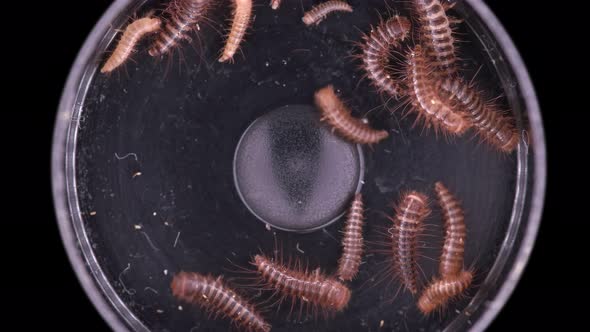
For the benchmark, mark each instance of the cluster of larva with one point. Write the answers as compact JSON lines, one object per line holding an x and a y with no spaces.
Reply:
{"x":430,"y":79}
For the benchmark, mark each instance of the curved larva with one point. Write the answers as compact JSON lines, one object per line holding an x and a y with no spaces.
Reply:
{"x":215,"y":297}
{"x":436,"y":34}
{"x":407,"y":227}
{"x":492,"y":125}
{"x":352,"y":241}
{"x":313,"y":288}
{"x":376,"y":50}
{"x":319,"y":12}
{"x":440,"y":292}
{"x":435,"y":109}
{"x":133,"y":33}
{"x":183,"y":17}
{"x":241,"y":20}
{"x":451,"y":260}
{"x":275,"y":4}
{"x":338,"y":116}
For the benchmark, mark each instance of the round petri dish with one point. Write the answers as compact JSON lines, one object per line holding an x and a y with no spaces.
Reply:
{"x":145,"y":185}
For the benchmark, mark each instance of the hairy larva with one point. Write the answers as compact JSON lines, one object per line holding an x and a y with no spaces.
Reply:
{"x":314,"y":288}
{"x":451,"y":260}
{"x":408,"y":224}
{"x":275,"y":4}
{"x":436,"y":35}
{"x":494,"y":126}
{"x":131,"y":36}
{"x":436,"y":110}
{"x":241,"y":20}
{"x":440,"y":292}
{"x":338,"y":116}
{"x":377,"y":48}
{"x":352,"y":241}
{"x":215,"y":297}
{"x":182,"y":17}
{"x":319,"y":12}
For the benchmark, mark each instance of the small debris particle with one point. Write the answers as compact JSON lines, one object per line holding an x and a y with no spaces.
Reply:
{"x":137,"y":226}
{"x":165,"y":272}
{"x":92,"y":213}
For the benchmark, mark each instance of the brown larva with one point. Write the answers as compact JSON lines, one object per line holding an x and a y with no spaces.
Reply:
{"x":436,"y":110}
{"x":241,"y":20}
{"x":275,"y":4}
{"x":451,"y":260}
{"x":494,"y":126}
{"x":408,"y":225}
{"x":215,"y":297}
{"x":316,"y":289}
{"x":440,"y":292}
{"x":352,"y":241}
{"x":183,"y":16}
{"x":338,"y":116}
{"x":131,"y":36}
{"x":377,"y":49}
{"x":319,"y":12}
{"x":436,"y":35}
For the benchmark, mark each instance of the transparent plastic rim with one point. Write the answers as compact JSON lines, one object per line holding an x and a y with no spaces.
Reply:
{"x":66,"y":212}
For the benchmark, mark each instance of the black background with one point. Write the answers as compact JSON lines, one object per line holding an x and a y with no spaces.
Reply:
{"x":48,"y":293}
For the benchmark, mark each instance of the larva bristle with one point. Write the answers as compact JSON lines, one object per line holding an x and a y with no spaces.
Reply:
{"x":275,"y":4}
{"x":338,"y":116}
{"x":436,"y":35}
{"x":319,"y":12}
{"x":492,"y":125}
{"x":215,"y":297}
{"x":451,"y":260}
{"x":352,"y":241}
{"x":408,"y":226}
{"x":182,"y":17}
{"x":314,"y":288}
{"x":436,"y":110}
{"x":240,"y":23}
{"x":131,"y":36}
{"x":440,"y":292}
{"x":377,"y":48}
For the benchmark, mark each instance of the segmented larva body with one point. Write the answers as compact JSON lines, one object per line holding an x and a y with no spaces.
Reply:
{"x":132,"y":35}
{"x":240,"y":23}
{"x":376,"y":50}
{"x":338,"y":116}
{"x":492,"y":125}
{"x":313,"y":288}
{"x":352,"y":242}
{"x":436,"y":35}
{"x":182,"y":17}
{"x":451,"y":260}
{"x":215,"y":297}
{"x":437,"y":111}
{"x":407,"y":227}
{"x":440,"y":292}
{"x":319,"y":12}
{"x":275,"y":4}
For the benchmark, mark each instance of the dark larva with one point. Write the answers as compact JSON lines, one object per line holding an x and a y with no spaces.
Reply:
{"x":352,"y":241}
{"x":437,"y":111}
{"x":451,"y":260}
{"x":339,"y":117}
{"x":407,"y":227}
{"x":133,"y":33}
{"x":319,"y":12}
{"x":242,"y":14}
{"x":314,"y":288}
{"x":440,"y":292}
{"x":182,"y":17}
{"x":436,"y":35}
{"x":376,"y":50}
{"x":494,"y":126}
{"x":215,"y":297}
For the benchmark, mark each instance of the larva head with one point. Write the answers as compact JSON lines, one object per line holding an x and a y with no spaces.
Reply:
{"x":398,"y":26}
{"x":417,"y":201}
{"x":153,"y":24}
{"x":179,"y":285}
{"x":338,"y":295}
